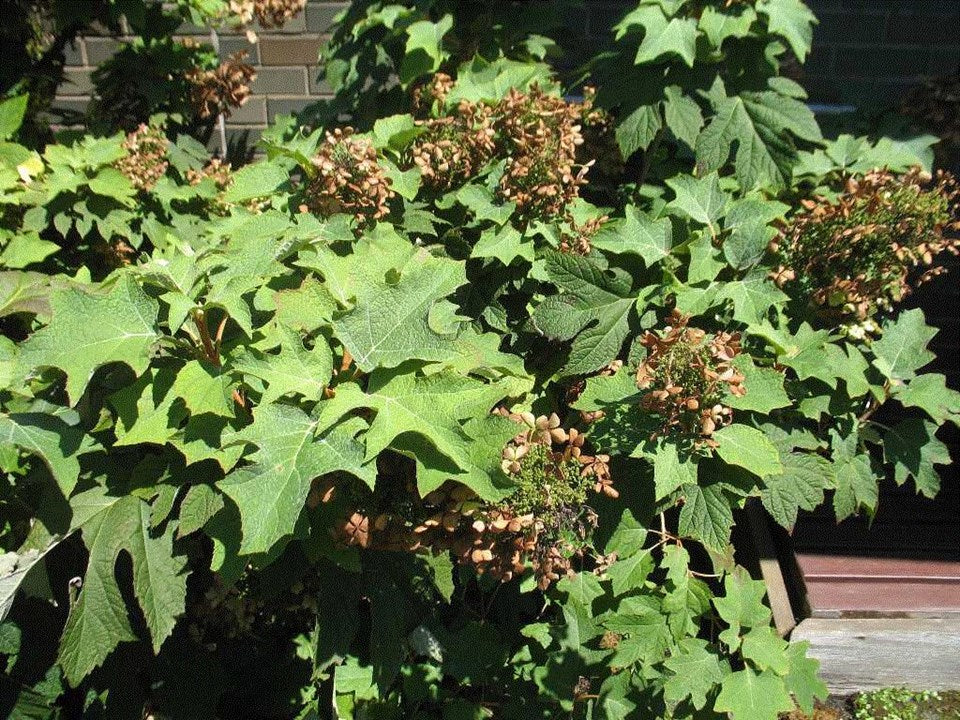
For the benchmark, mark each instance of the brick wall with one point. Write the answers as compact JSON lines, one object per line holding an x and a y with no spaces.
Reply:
{"x":864,"y":51}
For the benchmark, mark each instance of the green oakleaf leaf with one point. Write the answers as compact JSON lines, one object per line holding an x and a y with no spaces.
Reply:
{"x":706,"y":515}
{"x":799,"y":487}
{"x":696,"y":671}
{"x":749,"y":448}
{"x":766,"y":650}
{"x":390,"y":322}
{"x":758,"y":123}
{"x":902,"y":350}
{"x":676,"y":36}
{"x":636,"y":234}
{"x":432,"y":407}
{"x":98,"y":620}
{"x":930,"y":393}
{"x":638,"y":129}
{"x":742,"y":603}
{"x":912,"y":448}
{"x":682,"y":114}
{"x":764,"y":388}
{"x":89,"y":330}
{"x":290,"y":454}
{"x":748,"y":695}
{"x":699,"y":199}
{"x":792,"y":20}
{"x":49,"y":438}
{"x":670,"y":472}
{"x":293,"y":370}
{"x":593,"y":309}
{"x":802,"y":679}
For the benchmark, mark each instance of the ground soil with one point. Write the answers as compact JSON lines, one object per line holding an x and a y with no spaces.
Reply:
{"x":842,"y":708}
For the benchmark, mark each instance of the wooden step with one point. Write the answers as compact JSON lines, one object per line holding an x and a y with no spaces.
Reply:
{"x":858,"y":586}
{"x":864,"y":654}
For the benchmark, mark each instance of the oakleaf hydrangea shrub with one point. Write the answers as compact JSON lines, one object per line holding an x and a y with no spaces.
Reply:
{"x":451,"y":411}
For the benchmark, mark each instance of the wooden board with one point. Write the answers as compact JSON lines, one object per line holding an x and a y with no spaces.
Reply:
{"x":856,"y":586}
{"x":861,"y":654}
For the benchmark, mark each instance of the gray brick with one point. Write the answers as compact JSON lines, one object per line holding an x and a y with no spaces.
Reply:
{"x":101,"y":49}
{"x":75,"y":53}
{"x":66,"y":108}
{"x":318,"y":82}
{"x":598,"y":19}
{"x":933,"y":7}
{"x":923,"y":28}
{"x":280,"y":81}
{"x":278,"y":50}
{"x":944,"y":61}
{"x":241,"y":141}
{"x":287,"y":106}
{"x":822,"y":88}
{"x":252,"y":112}
{"x":230,"y":45}
{"x":847,"y":27}
{"x":882,"y":62}
{"x":320,"y":16}
{"x":76,"y":81}
{"x":296,"y":24}
{"x":820,"y":61}
{"x":821,"y":6}
{"x":893,"y":91}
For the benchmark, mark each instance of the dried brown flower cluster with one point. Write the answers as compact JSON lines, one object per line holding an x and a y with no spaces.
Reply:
{"x":348,"y":178}
{"x":686,"y":376}
{"x":216,"y":170}
{"x":221,"y":174}
{"x":430,"y":96}
{"x":577,"y":241}
{"x":543,"y":523}
{"x":456,"y":146}
{"x":540,"y":134}
{"x":146,"y":159}
{"x":865,"y":250}
{"x":218,"y":91}
{"x":269,"y":13}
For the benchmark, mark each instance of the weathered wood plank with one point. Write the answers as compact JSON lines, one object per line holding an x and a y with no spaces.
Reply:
{"x":864,"y":654}
{"x":770,"y":570}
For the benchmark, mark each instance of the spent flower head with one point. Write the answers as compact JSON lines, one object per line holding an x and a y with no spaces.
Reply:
{"x":146,"y":159}
{"x":539,"y":135}
{"x":867,"y":249}
{"x":685,"y":378}
{"x":221,"y":89}
{"x":348,"y":178}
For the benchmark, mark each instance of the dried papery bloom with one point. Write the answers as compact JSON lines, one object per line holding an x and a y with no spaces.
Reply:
{"x":146,"y":159}
{"x":867,"y":249}
{"x":455,"y":147}
{"x":269,"y":13}
{"x":539,"y":134}
{"x":431,"y":95}
{"x":348,"y":179}
{"x":115,"y":252}
{"x":274,"y":13}
{"x":685,"y":378}
{"x":216,"y":170}
{"x":218,"y":91}
{"x":543,"y":524}
{"x":577,"y":241}
{"x":219,"y":172}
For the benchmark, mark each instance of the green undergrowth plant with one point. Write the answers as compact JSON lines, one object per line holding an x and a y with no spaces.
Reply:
{"x":412,"y":420}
